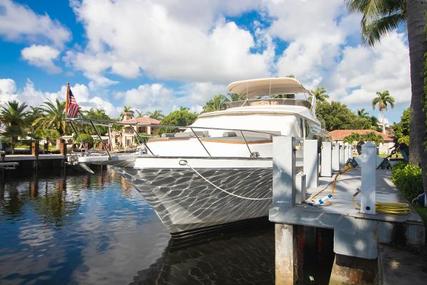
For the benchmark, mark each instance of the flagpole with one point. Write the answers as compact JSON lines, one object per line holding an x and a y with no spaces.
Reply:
{"x":67,"y":102}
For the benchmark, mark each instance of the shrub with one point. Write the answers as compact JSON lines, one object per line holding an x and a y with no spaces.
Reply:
{"x":407,"y":177}
{"x":84,"y":138}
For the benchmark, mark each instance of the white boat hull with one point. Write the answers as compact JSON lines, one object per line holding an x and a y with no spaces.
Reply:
{"x":187,"y":198}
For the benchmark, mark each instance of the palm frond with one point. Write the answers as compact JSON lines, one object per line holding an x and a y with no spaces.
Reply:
{"x":374,"y":29}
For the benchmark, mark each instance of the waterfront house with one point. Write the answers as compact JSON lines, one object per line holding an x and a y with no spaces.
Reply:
{"x":125,"y":138}
{"x":384,"y":148}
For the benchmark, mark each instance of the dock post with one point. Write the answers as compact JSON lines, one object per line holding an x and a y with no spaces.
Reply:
{"x":345,"y":153}
{"x":284,"y":171}
{"x":288,"y":258}
{"x":335,"y":157}
{"x":35,"y":152}
{"x":63,"y":151}
{"x":326,"y":159}
{"x":368,"y":167}
{"x":342,"y":158}
{"x":311,"y":163}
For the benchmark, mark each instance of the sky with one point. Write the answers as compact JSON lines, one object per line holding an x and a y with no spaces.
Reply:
{"x":163,"y":54}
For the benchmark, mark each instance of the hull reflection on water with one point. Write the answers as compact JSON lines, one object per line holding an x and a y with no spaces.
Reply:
{"x":246,"y":257}
{"x":184,"y":201}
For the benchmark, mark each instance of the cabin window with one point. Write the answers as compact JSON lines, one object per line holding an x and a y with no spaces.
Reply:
{"x":301,"y":124}
{"x":307,"y":128}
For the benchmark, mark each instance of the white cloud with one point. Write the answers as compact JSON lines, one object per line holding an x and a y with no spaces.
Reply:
{"x":314,"y":31}
{"x":156,"y":96}
{"x":7,"y":90}
{"x":18,"y":22}
{"x":148,"y":97}
{"x":41,"y":56}
{"x":34,"y":97}
{"x":365,"y":70}
{"x":169,"y":41}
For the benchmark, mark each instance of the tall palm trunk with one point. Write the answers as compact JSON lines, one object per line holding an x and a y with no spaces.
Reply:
{"x":416,"y":10}
{"x":383,"y":120}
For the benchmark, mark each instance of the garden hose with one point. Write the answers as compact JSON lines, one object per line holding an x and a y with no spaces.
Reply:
{"x":394,"y":208}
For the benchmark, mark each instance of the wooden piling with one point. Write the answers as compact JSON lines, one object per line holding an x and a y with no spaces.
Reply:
{"x":35,"y":150}
{"x":352,"y":270}
{"x":289,"y":254}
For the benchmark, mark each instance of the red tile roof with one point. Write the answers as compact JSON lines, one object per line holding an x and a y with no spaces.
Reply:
{"x":142,"y":120}
{"x":339,"y":135}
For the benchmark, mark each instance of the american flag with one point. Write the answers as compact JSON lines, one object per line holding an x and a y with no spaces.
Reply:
{"x":71,"y":106}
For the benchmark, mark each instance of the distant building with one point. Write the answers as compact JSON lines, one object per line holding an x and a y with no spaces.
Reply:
{"x":125,"y":138}
{"x":385,"y":147}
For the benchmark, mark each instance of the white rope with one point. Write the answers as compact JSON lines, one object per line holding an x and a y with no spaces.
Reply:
{"x":184,"y":162}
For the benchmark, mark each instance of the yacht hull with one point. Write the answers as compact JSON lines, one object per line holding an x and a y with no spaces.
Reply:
{"x":187,"y":199}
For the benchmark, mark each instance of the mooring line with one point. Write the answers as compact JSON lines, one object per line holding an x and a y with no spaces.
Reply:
{"x":185,"y":163}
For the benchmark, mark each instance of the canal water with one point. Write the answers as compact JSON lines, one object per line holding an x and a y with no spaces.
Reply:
{"x":97,"y":229}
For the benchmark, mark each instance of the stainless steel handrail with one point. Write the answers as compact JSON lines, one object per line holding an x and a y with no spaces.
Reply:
{"x":191,"y":128}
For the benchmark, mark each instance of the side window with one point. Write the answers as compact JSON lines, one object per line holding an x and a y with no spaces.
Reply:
{"x":301,"y":127}
{"x":307,"y":128}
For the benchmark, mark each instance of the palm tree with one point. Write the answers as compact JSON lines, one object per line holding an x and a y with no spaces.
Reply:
{"x":382,"y":101}
{"x":15,"y":117}
{"x":33,"y":114}
{"x":236,"y":97}
{"x":381,"y":16}
{"x":321,"y":94}
{"x":127,"y":112}
{"x":156,"y":114}
{"x":218,"y":102}
{"x":363,"y":113}
{"x":53,"y":117}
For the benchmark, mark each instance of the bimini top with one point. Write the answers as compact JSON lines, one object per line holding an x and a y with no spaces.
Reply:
{"x":266,"y":86}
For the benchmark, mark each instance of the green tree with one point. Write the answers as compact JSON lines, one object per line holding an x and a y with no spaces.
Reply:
{"x":236,"y":97}
{"x":14,"y":116}
{"x":336,"y":116}
{"x":401,"y":129}
{"x":96,"y":115}
{"x":381,"y":16}
{"x":127,"y":111}
{"x":216,"y":103}
{"x":53,"y":117}
{"x":156,"y":114}
{"x":362,"y":113}
{"x":181,"y":117}
{"x":382,"y":101}
{"x":320,"y":94}
{"x":355,"y":138}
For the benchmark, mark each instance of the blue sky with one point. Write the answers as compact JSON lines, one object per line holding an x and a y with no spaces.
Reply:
{"x":169,"y":53}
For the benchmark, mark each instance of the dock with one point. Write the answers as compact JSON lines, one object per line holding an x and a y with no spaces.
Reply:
{"x":15,"y":164}
{"x":358,"y":228}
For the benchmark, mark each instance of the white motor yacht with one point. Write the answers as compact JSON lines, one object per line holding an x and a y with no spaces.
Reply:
{"x":219,"y":169}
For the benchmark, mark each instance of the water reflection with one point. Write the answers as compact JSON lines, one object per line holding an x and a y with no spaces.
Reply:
{"x":245,"y":257}
{"x":90,"y":229}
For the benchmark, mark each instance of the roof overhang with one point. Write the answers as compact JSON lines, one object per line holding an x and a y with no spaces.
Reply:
{"x":266,"y":86}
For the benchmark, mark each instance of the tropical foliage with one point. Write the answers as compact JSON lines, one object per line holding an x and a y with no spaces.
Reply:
{"x":401,"y":129}
{"x":156,"y":114}
{"x":334,"y":116}
{"x":14,"y":116}
{"x":320,"y":94}
{"x":53,"y":117}
{"x":218,"y":102}
{"x":372,"y":137}
{"x":99,"y":115}
{"x":181,"y":117}
{"x":407,"y":177}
